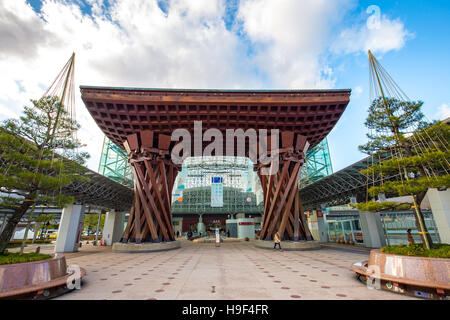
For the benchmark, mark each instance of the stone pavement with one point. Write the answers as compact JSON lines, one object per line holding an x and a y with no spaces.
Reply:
{"x":236,"y":270}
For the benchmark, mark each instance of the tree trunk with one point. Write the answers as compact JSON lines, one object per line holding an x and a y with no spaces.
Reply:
{"x":25,"y":236}
{"x":420,"y":222}
{"x":8,"y":232}
{"x":418,"y":198}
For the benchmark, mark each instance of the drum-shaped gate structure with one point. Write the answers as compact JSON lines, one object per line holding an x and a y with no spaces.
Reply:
{"x":142,"y":121}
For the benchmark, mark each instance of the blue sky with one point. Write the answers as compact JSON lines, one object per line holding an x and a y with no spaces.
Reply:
{"x":421,"y":68}
{"x":255,"y":44}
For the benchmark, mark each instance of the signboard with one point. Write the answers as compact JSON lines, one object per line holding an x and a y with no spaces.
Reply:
{"x":319,"y":214}
{"x":217,"y":237}
{"x":217,"y":192}
{"x":246,"y":223}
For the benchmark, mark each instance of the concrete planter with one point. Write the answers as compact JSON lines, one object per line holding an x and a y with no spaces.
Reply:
{"x":419,"y":276}
{"x":32,"y":279}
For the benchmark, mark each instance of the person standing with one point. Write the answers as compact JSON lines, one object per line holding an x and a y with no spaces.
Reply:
{"x":410,"y":237}
{"x":277,"y":241}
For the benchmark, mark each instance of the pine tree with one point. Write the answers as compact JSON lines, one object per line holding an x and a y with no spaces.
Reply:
{"x":38,"y":157}
{"x":419,"y":158}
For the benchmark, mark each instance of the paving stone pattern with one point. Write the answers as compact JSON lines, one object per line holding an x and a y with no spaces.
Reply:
{"x":236,"y":270}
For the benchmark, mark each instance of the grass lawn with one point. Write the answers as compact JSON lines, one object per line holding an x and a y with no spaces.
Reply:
{"x":417,"y":250}
{"x":10,"y":257}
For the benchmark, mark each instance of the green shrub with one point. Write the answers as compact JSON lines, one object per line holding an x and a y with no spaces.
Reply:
{"x":417,"y":250}
{"x":40,"y":241}
{"x":14,"y":245}
{"x":10,"y":257}
{"x":18,"y":243}
{"x":30,"y":241}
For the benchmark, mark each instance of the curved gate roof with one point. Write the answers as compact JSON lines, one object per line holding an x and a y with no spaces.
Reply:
{"x":123,"y":111}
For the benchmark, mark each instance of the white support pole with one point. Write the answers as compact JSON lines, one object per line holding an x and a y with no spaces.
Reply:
{"x":113,"y":229}
{"x":372,"y":229}
{"x":70,"y":226}
{"x":440,"y":206}
{"x":98,"y":227}
{"x":353,"y":232}
{"x":317,"y":226}
{"x":343,"y":230}
{"x":4,"y":222}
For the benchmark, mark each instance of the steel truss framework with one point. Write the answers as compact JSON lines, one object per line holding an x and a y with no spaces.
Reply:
{"x":100,"y":191}
{"x":318,"y":164}
{"x":114,"y":164}
{"x":338,"y":188}
{"x":197,"y":172}
{"x":240,"y":185}
{"x":198,"y":201}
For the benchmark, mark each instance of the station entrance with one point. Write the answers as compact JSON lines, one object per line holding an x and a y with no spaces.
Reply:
{"x":201,"y":206}
{"x":142,"y":121}
{"x":191,"y":224}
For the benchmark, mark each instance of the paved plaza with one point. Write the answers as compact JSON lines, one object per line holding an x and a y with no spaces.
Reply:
{"x":235,"y":270}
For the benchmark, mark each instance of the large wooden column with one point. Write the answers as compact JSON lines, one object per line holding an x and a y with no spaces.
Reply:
{"x":283,"y":210}
{"x":154,"y":174}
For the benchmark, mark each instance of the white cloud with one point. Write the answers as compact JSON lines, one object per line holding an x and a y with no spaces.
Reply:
{"x":136,"y":44}
{"x":443,"y":112}
{"x":21,"y":30}
{"x":388,"y":35}
{"x":292,"y":36}
{"x":357,"y":91}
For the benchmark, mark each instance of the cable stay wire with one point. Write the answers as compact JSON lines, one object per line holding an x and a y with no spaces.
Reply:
{"x":417,"y":135}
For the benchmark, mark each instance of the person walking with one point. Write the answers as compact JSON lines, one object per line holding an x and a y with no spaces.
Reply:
{"x":410,"y":237}
{"x":277,"y":241}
